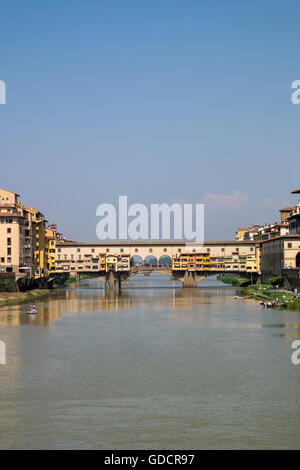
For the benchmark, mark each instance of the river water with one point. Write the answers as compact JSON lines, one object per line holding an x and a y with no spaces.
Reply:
{"x":158,"y":367}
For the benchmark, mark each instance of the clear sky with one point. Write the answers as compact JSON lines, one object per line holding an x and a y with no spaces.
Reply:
{"x":160,"y":100}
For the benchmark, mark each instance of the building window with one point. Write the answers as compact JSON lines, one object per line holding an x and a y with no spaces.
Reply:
{"x":2,"y":260}
{"x":251,"y":249}
{"x":121,"y":250}
{"x":107,"y":250}
{"x":9,"y":251}
{"x":165,"y":250}
{"x":289,"y":245}
{"x":9,"y":230}
{"x":93,"y":250}
{"x":9,"y":241}
{"x":59,"y":250}
{"x":150,"y":250}
{"x":78,"y":250}
{"x":179,"y":250}
{"x":136,"y":250}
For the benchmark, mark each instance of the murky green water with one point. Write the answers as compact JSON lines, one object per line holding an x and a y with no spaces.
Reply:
{"x":157,"y":368}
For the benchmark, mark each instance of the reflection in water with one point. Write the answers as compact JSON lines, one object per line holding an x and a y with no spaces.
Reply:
{"x":140,"y":292}
{"x":155,"y":367}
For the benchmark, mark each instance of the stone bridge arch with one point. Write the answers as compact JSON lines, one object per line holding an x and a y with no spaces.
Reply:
{"x":150,"y":260}
{"x":165,"y":260}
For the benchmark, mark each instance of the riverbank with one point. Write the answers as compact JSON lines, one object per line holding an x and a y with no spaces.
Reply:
{"x":264,"y":292}
{"x":234,"y":281}
{"x":9,"y":298}
{"x":267,"y":293}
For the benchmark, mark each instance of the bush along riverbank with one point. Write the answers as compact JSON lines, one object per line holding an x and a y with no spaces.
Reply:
{"x":271,"y":295}
{"x":234,"y":281}
{"x":66,"y":282}
{"x":72,"y":280}
{"x":8,"y":298}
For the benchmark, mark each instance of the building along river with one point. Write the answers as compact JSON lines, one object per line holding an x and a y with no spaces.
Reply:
{"x":158,"y":367}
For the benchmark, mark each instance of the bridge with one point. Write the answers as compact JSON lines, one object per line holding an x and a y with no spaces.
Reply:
{"x":114,"y":262}
{"x":113,"y":279}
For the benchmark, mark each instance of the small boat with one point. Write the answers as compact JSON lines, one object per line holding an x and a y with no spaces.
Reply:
{"x":235,"y":297}
{"x":32,"y":310}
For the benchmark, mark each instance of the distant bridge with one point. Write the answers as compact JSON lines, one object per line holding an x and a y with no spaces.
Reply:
{"x":113,"y":279}
{"x":237,"y":256}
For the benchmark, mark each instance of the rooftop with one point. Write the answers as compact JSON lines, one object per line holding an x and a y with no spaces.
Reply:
{"x":282,"y":237}
{"x":287,"y":209}
{"x":157,"y":243}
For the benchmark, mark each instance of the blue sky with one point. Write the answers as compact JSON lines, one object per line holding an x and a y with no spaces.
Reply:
{"x":160,"y":101}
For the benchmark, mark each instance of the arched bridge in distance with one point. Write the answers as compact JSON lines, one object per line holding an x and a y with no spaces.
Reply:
{"x":114,"y":262}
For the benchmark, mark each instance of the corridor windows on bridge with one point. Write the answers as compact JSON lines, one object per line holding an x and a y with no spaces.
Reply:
{"x":150,"y":260}
{"x":165,"y":261}
{"x":136,"y":260}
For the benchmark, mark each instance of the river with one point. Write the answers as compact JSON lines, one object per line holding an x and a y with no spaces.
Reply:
{"x":158,"y":367}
